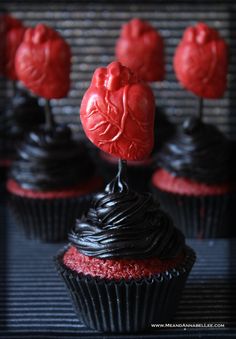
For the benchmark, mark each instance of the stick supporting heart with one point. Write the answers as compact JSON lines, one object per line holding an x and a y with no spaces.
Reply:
{"x":200,"y":108}
{"x":120,"y":182}
{"x":49,"y":121}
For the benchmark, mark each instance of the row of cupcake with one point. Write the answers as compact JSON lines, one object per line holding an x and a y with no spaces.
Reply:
{"x":126,"y":264}
{"x":38,"y":176}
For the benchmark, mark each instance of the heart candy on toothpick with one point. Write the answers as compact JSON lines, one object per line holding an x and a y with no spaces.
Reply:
{"x":117,"y":113}
{"x":141,"y":48}
{"x":201,"y":62}
{"x":11,"y":35}
{"x":43,"y":62}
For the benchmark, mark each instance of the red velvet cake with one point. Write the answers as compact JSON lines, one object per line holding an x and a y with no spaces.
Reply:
{"x":52,"y":176}
{"x":126,"y":261}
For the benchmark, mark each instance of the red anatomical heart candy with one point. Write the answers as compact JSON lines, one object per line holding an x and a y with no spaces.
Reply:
{"x":11,"y":35}
{"x":43,"y":62}
{"x":141,"y":48}
{"x":201,"y":62}
{"x":117,"y":113}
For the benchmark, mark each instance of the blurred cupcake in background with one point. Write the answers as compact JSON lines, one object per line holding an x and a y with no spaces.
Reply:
{"x":52,"y":175}
{"x":11,"y":35}
{"x":22,"y":111}
{"x":193,"y":182}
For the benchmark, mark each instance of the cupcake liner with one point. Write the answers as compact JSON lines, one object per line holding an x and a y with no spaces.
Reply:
{"x":48,"y":220}
{"x":125,"y":306}
{"x":197,"y":217}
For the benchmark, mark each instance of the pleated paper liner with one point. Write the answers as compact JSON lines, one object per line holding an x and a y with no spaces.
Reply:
{"x":126,"y":305}
{"x":198,"y":217}
{"x":48,"y":220}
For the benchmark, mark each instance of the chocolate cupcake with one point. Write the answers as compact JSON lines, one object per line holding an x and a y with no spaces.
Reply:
{"x":50,"y":182}
{"x":126,"y":264}
{"x":193,"y":182}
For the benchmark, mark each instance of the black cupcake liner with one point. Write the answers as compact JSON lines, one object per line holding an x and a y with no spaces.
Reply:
{"x":198,"y":217}
{"x":48,"y":220}
{"x":126,"y":305}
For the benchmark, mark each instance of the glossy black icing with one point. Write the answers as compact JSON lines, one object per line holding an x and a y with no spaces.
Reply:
{"x":51,"y":160}
{"x":22,"y":114}
{"x":197,"y":151}
{"x":122,"y":223}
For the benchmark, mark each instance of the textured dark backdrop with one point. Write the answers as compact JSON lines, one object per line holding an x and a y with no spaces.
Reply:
{"x":33,"y":301}
{"x":91,"y":28}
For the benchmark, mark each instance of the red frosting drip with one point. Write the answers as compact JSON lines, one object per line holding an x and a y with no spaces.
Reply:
{"x":117,"y":269}
{"x":43,"y":62}
{"x":169,"y":183}
{"x":11,"y":35}
{"x":90,"y":186}
{"x":201,"y":61}
{"x":117,"y":113}
{"x":141,"y":48}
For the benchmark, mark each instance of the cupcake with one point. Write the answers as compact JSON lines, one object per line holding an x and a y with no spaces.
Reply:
{"x":192,"y":181}
{"x":50,"y":182}
{"x":52,"y":174}
{"x":126,"y":264}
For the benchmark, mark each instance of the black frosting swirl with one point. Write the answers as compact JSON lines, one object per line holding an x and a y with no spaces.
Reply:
{"x":122,"y":223}
{"x":197,"y":151}
{"x":22,"y":114}
{"x":49,"y":159}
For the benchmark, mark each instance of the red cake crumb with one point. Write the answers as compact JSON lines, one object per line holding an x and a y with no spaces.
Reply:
{"x":169,"y":183}
{"x":117,"y":269}
{"x":90,"y":186}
